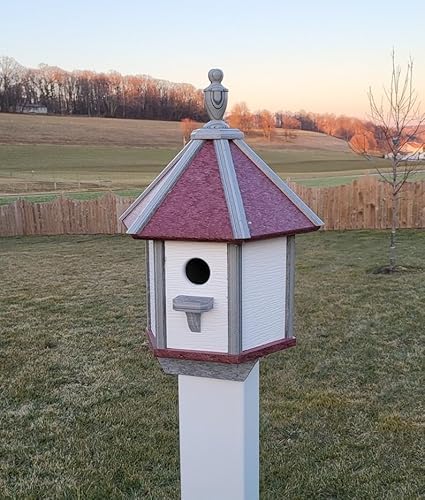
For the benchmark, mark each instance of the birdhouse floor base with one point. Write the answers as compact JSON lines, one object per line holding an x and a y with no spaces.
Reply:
{"x":221,"y":357}
{"x":219,"y":437}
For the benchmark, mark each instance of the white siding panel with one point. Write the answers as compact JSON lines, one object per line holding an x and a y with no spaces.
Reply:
{"x":214,"y":323}
{"x":151,"y":289}
{"x":263,"y":291}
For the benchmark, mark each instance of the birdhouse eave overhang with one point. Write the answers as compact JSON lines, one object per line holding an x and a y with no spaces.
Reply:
{"x":166,"y":237}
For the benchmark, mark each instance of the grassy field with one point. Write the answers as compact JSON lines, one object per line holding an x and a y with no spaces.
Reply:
{"x":48,"y":168}
{"x":78,"y":131}
{"x":64,"y":168}
{"x":50,"y":154}
{"x":87,"y":413}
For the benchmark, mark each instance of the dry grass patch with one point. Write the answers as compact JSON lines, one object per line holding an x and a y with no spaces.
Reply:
{"x":82,"y":130}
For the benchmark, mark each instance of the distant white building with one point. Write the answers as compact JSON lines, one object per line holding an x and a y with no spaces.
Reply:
{"x":412,"y":151}
{"x":38,"y":109}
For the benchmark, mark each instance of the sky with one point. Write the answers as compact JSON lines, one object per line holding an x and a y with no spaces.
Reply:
{"x":313,"y":55}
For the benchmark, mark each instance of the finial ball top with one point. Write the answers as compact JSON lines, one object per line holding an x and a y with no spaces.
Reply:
{"x":215,"y":75}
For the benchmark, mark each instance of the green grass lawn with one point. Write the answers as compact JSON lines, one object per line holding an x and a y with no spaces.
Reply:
{"x":82,"y":195}
{"x":93,"y":163}
{"x":41,"y":167}
{"x":317,"y":162}
{"x":30,"y":169}
{"x":87,"y":413}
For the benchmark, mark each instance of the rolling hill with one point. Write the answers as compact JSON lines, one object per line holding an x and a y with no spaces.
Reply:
{"x":51,"y":154}
{"x":79,"y":131}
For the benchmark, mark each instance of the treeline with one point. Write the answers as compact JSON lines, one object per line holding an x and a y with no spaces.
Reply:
{"x":140,"y":96}
{"x":361,"y":135}
{"x":97,"y":94}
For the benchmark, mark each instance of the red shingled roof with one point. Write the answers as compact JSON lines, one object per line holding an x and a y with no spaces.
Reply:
{"x":195,"y":208}
{"x":268,"y":210}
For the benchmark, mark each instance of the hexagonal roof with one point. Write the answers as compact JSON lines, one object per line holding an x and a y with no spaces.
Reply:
{"x":218,"y":189}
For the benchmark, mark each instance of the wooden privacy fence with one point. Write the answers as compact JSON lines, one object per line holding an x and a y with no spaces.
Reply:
{"x":64,"y":216}
{"x":363,"y":204}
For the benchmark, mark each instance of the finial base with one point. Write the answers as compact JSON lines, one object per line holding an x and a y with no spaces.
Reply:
{"x":216,"y":133}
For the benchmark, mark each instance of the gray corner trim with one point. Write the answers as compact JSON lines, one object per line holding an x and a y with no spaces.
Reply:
{"x":231,"y":190}
{"x":222,"y":371}
{"x":166,"y":184}
{"x":216,"y":133}
{"x":159,"y":277}
{"x":290,"y":285}
{"x":155,"y":182}
{"x":148,"y":291}
{"x":262,"y":165}
{"x":234,"y":277}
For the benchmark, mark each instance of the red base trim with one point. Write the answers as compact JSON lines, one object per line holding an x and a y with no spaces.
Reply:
{"x":219,"y":357}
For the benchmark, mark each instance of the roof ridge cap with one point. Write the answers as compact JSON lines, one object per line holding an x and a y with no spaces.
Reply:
{"x":235,"y":205}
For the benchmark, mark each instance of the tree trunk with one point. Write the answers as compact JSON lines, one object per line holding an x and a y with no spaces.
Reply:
{"x":394,"y":226}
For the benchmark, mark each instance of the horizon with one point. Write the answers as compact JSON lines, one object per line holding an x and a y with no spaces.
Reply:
{"x":252,"y":110}
{"x":306,"y":54}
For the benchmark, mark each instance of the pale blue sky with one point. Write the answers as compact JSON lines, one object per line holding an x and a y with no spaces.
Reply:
{"x":319,"y":56}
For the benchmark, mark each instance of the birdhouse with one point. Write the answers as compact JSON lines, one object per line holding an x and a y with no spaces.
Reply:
{"x":220,"y":226}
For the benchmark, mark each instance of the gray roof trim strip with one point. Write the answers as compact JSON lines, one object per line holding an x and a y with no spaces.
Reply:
{"x":231,"y":190}
{"x":262,"y":165}
{"x":167,"y":184}
{"x":155,"y":182}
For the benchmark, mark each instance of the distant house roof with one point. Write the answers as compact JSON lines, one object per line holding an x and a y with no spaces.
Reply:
{"x":31,"y":107}
{"x":413,"y":147}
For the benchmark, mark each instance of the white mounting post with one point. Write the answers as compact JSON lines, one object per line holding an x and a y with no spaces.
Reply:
{"x":219,"y":437}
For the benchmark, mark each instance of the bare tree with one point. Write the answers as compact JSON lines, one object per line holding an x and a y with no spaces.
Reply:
{"x":97,"y":94}
{"x":240,"y":117}
{"x":266,"y":122}
{"x":10,"y":73}
{"x":398,"y":118}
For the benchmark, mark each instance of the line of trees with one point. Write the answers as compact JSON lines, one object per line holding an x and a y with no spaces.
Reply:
{"x":97,"y":94}
{"x":140,"y":96}
{"x":356,"y":132}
